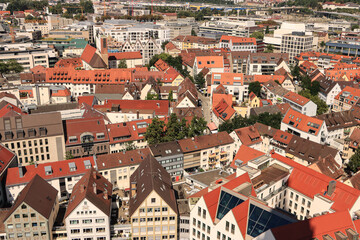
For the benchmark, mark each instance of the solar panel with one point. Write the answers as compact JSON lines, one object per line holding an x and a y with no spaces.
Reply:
{"x":261,"y":220}
{"x":226,"y":203}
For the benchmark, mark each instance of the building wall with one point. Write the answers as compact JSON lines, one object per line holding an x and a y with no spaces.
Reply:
{"x":28,"y":223}
{"x":119,"y":176}
{"x":154,"y":218}
{"x":88,"y":149}
{"x":86,"y":220}
{"x":42,"y":149}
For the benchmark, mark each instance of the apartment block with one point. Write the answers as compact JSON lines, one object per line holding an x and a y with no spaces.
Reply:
{"x":86,"y":136}
{"x":170,"y":156}
{"x":34,"y":137}
{"x":34,"y":212}
{"x":238,"y":43}
{"x":118,"y":167}
{"x":346,"y":99}
{"x":28,"y":55}
{"x":8,"y":160}
{"x":153,"y":209}
{"x":300,"y":103}
{"x":304,"y":126}
{"x":233,"y":84}
{"x":89,"y":210}
{"x":296,"y":43}
{"x":188,"y":42}
{"x":208,"y":151}
{"x":61,"y":175}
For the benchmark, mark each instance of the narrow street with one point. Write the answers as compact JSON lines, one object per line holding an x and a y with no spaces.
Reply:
{"x":205,"y":106}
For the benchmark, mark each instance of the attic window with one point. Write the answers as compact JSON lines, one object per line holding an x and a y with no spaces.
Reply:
{"x":48,"y":170}
{"x":100,"y":135}
{"x":72,"y":139}
{"x":72,"y":167}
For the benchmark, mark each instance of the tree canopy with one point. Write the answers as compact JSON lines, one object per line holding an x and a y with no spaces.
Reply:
{"x":199,"y":80}
{"x":21,"y":5}
{"x":10,"y":66}
{"x":174,"y":129}
{"x":273,"y":120}
{"x":255,"y":87}
{"x":122,"y":64}
{"x":322,"y":107}
{"x":175,"y":62}
{"x":354,"y":162}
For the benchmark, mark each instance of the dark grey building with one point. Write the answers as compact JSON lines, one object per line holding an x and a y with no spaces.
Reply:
{"x":170,"y":156}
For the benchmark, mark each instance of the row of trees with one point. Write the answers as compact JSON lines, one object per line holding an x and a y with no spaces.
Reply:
{"x":174,"y":129}
{"x":21,"y":5}
{"x":143,"y":18}
{"x":86,"y":6}
{"x":273,"y":120}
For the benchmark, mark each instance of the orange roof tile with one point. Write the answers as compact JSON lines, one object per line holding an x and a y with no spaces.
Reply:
{"x":245,"y":154}
{"x":296,"y":98}
{"x":233,"y":39}
{"x":210,"y":62}
{"x":266,"y":78}
{"x":248,"y":135}
{"x":302,"y":122}
{"x":227,"y":78}
{"x":125,"y":55}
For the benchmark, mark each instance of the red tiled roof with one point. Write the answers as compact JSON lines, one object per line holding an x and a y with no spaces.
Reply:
{"x":61,"y":93}
{"x":302,"y":122}
{"x":210,"y":62}
{"x":246,"y":154}
{"x":234,"y":39}
{"x":248,"y":135}
{"x":211,"y":199}
{"x":38,"y":69}
{"x":76,"y":127}
{"x":159,"y":107}
{"x":266,"y":78}
{"x":8,"y":109}
{"x":161,"y":65}
{"x":283,"y":137}
{"x":84,"y":189}
{"x":352,"y":98}
{"x":89,"y":100}
{"x":127,"y":131}
{"x":59,"y":169}
{"x":124,"y":158}
{"x":170,"y":46}
{"x":125,"y":55}
{"x":6,"y":157}
{"x":205,"y":141}
{"x":223,"y":110}
{"x":69,"y":62}
{"x":88,"y":53}
{"x":227,"y":78}
{"x":343,"y":197}
{"x":241,"y":213}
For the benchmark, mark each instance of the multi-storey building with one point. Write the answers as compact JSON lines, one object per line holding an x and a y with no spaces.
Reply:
{"x":89,"y":210}
{"x":34,"y":212}
{"x":29,"y":55}
{"x":265,"y":63}
{"x":127,"y":134}
{"x":8,"y":160}
{"x":34,"y":137}
{"x":296,"y":43}
{"x":171,"y":157}
{"x":208,"y":151}
{"x":248,"y":136}
{"x":61,"y":175}
{"x":153,"y":210}
{"x":188,"y":42}
{"x":233,"y":83}
{"x":304,"y":126}
{"x":227,"y":27}
{"x":346,"y":99}
{"x":118,"y":167}
{"x":238,"y":43}
{"x":86,"y":136}
{"x":300,"y":103}
{"x":343,"y":47}
{"x":229,"y":210}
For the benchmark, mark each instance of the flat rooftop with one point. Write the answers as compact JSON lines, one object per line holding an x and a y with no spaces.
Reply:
{"x":205,"y":178}
{"x":270,"y":174}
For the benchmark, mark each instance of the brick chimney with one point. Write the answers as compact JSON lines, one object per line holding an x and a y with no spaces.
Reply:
{"x":105,"y":194}
{"x":94,"y":188}
{"x":82,"y":188}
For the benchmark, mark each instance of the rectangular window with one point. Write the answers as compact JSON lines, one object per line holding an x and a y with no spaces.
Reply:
{"x":227,"y":226}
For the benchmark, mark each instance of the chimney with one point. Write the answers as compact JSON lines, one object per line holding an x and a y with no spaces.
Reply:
{"x":133,"y":189}
{"x":36,"y":165}
{"x":21,"y":171}
{"x":331,"y":187}
{"x":137,"y":114}
{"x":82,"y":188}
{"x":352,"y":235}
{"x":105,"y":194}
{"x":94,"y":175}
{"x":94,"y":188}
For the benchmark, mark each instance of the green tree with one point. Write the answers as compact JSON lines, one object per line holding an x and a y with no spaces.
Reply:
{"x":200,"y":80}
{"x":164,"y":44}
{"x":322,"y":44}
{"x":295,"y":71}
{"x":175,"y":129}
{"x":151,"y":96}
{"x":130,"y":146}
{"x":87,"y":6}
{"x":171,"y":97}
{"x":354,"y":162}
{"x":68,"y":155}
{"x":257,"y":35}
{"x":122,"y":64}
{"x":197,"y":127}
{"x":255,"y":87}
{"x":355,"y":26}
{"x":155,"y":132}
{"x":267,"y":31}
{"x":11,"y":66}
{"x":322,"y":107}
{"x":193,"y":33}
{"x":269,"y":48}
